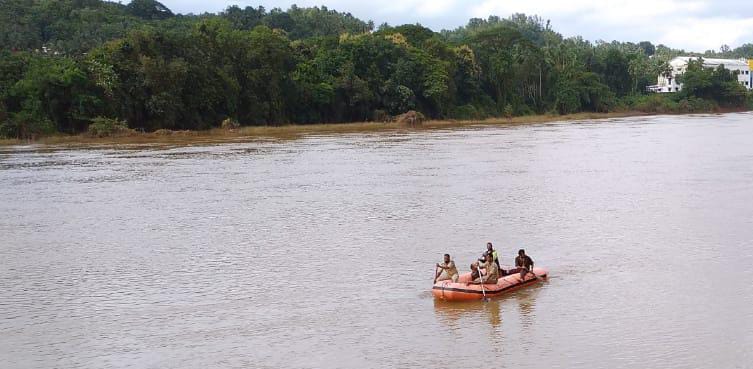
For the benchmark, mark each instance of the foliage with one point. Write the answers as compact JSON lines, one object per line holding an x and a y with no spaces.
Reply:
{"x":149,"y":9}
{"x":230,"y":124}
{"x":718,"y":84}
{"x":51,"y":89}
{"x":670,"y":104}
{"x":508,"y":111}
{"x":411,"y":118}
{"x":106,"y":127}
{"x":29,"y":123}
{"x":583,"y":91}
{"x":298,"y":23}
{"x":66,"y":63}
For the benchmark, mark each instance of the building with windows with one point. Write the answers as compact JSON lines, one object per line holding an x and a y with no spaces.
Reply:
{"x":668,"y":83}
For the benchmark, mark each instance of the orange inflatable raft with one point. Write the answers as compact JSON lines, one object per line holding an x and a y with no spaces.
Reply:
{"x":462,"y":291}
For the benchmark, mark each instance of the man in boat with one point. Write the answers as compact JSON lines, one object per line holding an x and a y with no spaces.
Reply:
{"x":490,"y":249}
{"x":495,"y":255}
{"x":488,"y":270}
{"x":474,"y":271}
{"x":449,"y":271}
{"x":523,"y":263}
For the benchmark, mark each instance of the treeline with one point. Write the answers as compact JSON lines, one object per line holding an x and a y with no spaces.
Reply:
{"x":67,"y":63}
{"x":74,"y":27}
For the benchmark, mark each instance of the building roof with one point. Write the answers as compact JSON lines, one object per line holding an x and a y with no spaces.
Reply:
{"x":709,"y":62}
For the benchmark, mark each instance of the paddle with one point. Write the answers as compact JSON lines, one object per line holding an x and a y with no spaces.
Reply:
{"x":481,"y":279}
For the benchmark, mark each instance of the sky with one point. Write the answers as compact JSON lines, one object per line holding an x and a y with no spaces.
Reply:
{"x":693,"y":25}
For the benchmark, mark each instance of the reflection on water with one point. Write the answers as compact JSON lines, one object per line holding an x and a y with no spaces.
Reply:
{"x":451,"y":313}
{"x":319,"y":252}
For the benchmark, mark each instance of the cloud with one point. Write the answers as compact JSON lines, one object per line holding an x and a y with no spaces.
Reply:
{"x":680,"y":24}
{"x":696,"y":25}
{"x":430,"y":8}
{"x":707,"y":34}
{"x":543,"y":8}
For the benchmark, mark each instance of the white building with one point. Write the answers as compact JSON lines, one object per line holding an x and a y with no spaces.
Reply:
{"x":680,"y":64}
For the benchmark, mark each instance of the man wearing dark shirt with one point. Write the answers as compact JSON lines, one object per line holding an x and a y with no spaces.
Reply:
{"x":523,"y":262}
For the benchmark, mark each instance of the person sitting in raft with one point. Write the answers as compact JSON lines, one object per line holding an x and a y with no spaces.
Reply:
{"x":449,"y":271}
{"x":523,"y":263}
{"x":490,"y":249}
{"x":495,"y":255}
{"x":474,"y":271}
{"x":490,"y":273}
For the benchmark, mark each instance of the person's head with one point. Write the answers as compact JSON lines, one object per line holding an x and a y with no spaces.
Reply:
{"x":474,"y":267}
{"x":521,"y":252}
{"x":446,"y":258}
{"x":489,"y":246}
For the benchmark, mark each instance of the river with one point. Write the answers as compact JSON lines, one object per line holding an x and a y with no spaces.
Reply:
{"x":319,"y":252}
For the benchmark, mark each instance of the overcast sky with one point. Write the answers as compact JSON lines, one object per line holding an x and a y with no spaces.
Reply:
{"x":696,"y":25}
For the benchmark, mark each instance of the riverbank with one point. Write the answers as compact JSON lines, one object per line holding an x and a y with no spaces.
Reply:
{"x":295,"y":131}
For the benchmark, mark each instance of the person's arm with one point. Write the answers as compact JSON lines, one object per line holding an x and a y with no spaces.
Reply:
{"x":442,"y":267}
{"x":480,"y":274}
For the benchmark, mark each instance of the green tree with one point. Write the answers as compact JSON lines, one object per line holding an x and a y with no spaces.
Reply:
{"x":647,"y":47}
{"x":58,"y":90}
{"x":715,"y":84}
{"x":149,"y":9}
{"x":616,"y":72}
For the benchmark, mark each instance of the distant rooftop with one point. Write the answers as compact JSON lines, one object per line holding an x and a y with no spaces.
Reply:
{"x":710,"y":62}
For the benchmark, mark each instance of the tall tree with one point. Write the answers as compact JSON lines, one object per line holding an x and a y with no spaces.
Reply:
{"x":149,"y":9}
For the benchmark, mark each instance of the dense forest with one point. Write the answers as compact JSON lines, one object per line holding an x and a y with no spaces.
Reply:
{"x":66,"y":65}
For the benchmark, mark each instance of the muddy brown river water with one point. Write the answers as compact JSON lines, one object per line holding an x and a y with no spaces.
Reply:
{"x":319,"y":252}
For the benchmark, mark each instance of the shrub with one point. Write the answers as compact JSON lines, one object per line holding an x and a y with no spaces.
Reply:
{"x":521,"y":110}
{"x":163,"y":132}
{"x":670,"y":103}
{"x":655,"y":103}
{"x":508,"y":111}
{"x":3,"y":112}
{"x":468,"y":112}
{"x":106,"y":127}
{"x":380,"y":115}
{"x":230,"y":124}
{"x":26,"y":126}
{"x":411,"y":118}
{"x":29,"y":123}
{"x":696,"y":105}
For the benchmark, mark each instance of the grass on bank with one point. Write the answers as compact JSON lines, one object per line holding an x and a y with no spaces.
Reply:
{"x":293,"y":131}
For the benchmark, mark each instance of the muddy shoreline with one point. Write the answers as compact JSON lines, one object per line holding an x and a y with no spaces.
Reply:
{"x":294,"y":131}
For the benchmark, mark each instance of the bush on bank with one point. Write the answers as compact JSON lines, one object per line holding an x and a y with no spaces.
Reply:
{"x":106,"y":127}
{"x":670,"y":104}
{"x":24,"y":125}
